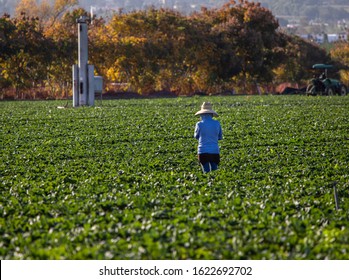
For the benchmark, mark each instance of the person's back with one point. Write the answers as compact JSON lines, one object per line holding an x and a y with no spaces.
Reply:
{"x":208,"y":131}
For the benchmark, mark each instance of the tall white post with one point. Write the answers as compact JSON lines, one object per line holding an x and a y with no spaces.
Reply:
{"x":83,"y":59}
{"x":83,"y":74}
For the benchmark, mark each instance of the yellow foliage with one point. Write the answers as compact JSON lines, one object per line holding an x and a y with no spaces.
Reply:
{"x":29,"y":7}
{"x":132,"y":40}
{"x":114,"y":74}
{"x":341,"y":53}
{"x":279,"y":71}
{"x":344,"y":76}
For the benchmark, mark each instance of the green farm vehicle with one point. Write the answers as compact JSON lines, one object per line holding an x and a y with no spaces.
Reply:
{"x":322,"y":85}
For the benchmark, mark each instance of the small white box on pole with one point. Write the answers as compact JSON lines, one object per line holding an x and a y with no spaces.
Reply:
{"x":98,"y":84}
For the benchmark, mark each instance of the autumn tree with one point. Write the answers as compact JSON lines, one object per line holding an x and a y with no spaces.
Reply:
{"x":32,"y":56}
{"x":7,"y":29}
{"x":299,"y":56}
{"x":249,"y":33}
{"x":25,"y":52}
{"x":340,"y":53}
{"x":155,"y":50}
{"x":126,"y":36}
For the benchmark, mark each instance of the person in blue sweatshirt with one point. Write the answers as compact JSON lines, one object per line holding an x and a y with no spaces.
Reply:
{"x":208,"y":131}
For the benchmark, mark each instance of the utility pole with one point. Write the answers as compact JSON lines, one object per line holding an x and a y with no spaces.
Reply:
{"x":83,"y":73}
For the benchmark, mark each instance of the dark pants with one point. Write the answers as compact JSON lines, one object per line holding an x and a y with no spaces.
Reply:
{"x":209,"y":162}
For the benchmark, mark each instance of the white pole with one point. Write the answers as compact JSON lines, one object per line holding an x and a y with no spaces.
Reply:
{"x":83,"y":59}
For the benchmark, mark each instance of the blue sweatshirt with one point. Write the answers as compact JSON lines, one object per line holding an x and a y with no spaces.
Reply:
{"x":208,"y":131}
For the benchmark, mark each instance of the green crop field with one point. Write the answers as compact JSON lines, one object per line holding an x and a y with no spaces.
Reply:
{"x":122,"y":181}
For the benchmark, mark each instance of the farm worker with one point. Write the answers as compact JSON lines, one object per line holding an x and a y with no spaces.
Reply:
{"x":208,"y":131}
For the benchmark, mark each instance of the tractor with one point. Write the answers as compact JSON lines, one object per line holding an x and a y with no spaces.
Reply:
{"x":322,"y":85}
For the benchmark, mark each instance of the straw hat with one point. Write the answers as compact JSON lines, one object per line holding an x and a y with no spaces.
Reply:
{"x":206,"y":108}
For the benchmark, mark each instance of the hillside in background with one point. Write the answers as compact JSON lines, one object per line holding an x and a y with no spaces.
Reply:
{"x":316,"y":10}
{"x":311,"y":16}
{"x":310,"y":9}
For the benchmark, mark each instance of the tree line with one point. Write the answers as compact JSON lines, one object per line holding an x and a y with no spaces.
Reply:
{"x":212,"y":51}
